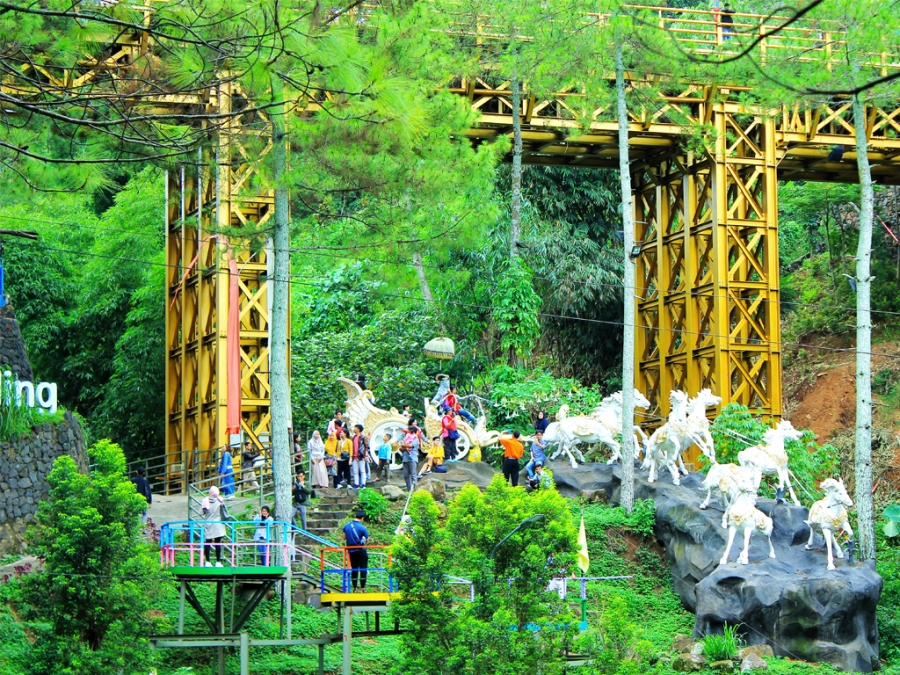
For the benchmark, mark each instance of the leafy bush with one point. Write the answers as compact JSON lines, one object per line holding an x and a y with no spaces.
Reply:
{"x":517,"y":394}
{"x":619,"y":646}
{"x":722,"y":647}
{"x":888,"y":612}
{"x":373,"y":503}
{"x":892,"y":521}
{"x":516,"y":307}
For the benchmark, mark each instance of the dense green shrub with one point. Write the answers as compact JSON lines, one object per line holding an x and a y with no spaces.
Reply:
{"x":722,"y":647}
{"x":373,"y":503}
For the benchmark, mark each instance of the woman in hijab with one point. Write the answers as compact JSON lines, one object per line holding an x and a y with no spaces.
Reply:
{"x":214,"y":513}
{"x":542,"y":422}
{"x":317,"y":454}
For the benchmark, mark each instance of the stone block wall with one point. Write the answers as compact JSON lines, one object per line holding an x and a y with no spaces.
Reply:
{"x":26,"y":462}
{"x":24,"y":466}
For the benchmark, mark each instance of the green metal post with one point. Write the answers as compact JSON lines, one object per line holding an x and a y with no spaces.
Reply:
{"x":181,"y":609}
{"x":245,"y":654}
{"x":348,"y":635}
{"x":321,"y":659}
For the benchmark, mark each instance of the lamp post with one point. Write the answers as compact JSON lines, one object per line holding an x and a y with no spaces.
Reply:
{"x":531,"y":520}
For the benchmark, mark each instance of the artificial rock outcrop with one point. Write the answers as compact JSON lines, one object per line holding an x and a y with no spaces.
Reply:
{"x":792,"y":603}
{"x":26,"y":461}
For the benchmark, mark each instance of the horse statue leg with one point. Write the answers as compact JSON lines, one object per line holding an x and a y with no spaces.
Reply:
{"x":732,"y":531}
{"x":785,"y":478}
{"x":617,"y":451}
{"x":744,"y":557}
{"x":571,"y":457}
{"x":828,"y":537}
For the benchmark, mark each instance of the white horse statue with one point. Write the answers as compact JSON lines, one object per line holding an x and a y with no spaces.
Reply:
{"x":743,"y":514}
{"x":771,"y":457}
{"x":609,"y":414}
{"x":567,"y":432}
{"x":698,"y":422}
{"x":665,"y":446}
{"x":830,"y":514}
{"x":726,"y":478}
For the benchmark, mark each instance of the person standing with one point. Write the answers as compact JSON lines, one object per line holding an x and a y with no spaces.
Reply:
{"x":408,"y":460}
{"x":226,"y":471}
{"x":538,"y":458}
{"x":248,"y":473}
{"x":301,"y":499}
{"x":331,"y":455}
{"x":359,"y":454}
{"x":727,"y":22}
{"x":298,"y":450}
{"x":214,"y":514}
{"x":337,"y":423}
{"x":261,"y":534}
{"x":385,"y":450}
{"x":512,"y":453}
{"x":142,"y":485}
{"x":356,"y":535}
{"x":316,"y":449}
{"x":449,"y":434}
{"x":345,"y":454}
{"x":542,"y":422}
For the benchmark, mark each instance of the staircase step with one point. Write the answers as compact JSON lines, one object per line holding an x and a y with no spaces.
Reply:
{"x":322,"y":523}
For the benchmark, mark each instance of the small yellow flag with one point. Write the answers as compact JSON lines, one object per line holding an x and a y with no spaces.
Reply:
{"x":584,"y":560}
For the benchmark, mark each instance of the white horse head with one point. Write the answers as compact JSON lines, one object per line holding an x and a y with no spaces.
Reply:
{"x":706,"y":398}
{"x":784,"y":431}
{"x":640,"y":401}
{"x":563,"y":412}
{"x":678,"y":401}
{"x":835,"y":491}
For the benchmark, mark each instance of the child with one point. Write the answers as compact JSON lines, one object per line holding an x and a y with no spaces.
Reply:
{"x":385,"y":450}
{"x":262,"y":535}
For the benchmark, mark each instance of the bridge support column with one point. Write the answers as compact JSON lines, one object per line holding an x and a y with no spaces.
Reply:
{"x":708,"y":284}
{"x":347,"y":652}
{"x":215,"y":196}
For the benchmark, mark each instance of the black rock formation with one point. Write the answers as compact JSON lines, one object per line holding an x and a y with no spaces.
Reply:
{"x":792,"y":603}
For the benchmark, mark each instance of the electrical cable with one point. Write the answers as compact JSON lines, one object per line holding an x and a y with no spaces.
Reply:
{"x":488,"y":308}
{"x":400,"y":263}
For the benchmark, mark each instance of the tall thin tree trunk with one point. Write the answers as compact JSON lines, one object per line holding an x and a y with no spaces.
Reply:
{"x":423,"y":281}
{"x":627,"y":496}
{"x":278,"y":322}
{"x":515,"y":216}
{"x":863,"y":463}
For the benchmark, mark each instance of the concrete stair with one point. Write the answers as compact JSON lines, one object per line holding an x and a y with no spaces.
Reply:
{"x":333,"y":505}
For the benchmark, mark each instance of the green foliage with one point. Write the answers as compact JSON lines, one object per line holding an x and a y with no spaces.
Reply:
{"x":722,"y":647}
{"x":373,"y":503}
{"x":516,"y":306}
{"x":888,"y":613}
{"x":388,"y":351}
{"x":342,"y":301}
{"x":617,"y":646}
{"x":88,"y":610}
{"x":486,"y":636}
{"x":892,"y":521}
{"x":518,"y":394}
{"x":809,"y":462}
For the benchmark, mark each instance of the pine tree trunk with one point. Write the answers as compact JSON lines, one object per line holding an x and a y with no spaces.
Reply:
{"x":515,"y":215}
{"x":423,"y":281}
{"x":863,"y":463}
{"x":628,"y":450}
{"x":278,"y":322}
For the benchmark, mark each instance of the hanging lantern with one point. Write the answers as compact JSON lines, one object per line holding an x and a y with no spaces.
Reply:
{"x":440,"y":348}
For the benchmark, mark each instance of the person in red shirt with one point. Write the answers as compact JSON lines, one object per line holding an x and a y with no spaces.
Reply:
{"x":451,"y":402}
{"x":512,"y":453}
{"x":449,"y":434}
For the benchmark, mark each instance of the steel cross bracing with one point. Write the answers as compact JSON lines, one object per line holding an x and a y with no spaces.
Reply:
{"x":220,"y":192}
{"x":707,"y":295}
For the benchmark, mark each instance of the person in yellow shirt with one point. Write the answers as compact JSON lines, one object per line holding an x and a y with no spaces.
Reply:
{"x":331,"y":456}
{"x":345,"y":454}
{"x":435,"y":456}
{"x":512,"y":453}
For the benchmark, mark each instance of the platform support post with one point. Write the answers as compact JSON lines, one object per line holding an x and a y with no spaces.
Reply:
{"x":348,"y":635}
{"x":181,"y":608}
{"x":220,"y":624}
{"x":288,"y":598}
{"x":321,"y":659}
{"x":245,"y":654}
